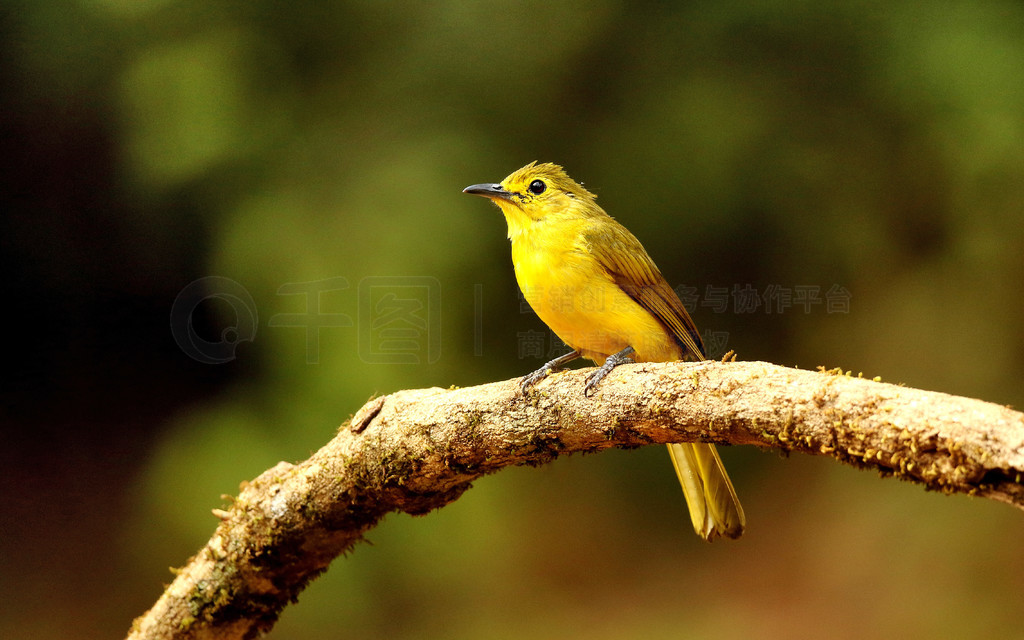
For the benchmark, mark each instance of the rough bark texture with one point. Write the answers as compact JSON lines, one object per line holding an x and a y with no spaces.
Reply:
{"x":418,"y":450}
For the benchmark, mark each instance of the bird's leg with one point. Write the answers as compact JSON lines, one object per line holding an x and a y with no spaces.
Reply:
{"x":541,"y":373}
{"x":610,"y":363}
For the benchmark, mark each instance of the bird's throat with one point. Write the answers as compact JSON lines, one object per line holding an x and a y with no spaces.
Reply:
{"x":518,"y":221}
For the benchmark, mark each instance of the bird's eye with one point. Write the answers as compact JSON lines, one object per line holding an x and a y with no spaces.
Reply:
{"x":537,"y":187}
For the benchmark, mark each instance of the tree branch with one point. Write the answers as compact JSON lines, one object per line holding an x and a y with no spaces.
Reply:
{"x":418,"y":450}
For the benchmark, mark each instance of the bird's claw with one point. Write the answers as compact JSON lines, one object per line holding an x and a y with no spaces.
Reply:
{"x":528,"y":381}
{"x":543,"y":372}
{"x":612,"y":361}
{"x":595,"y":377}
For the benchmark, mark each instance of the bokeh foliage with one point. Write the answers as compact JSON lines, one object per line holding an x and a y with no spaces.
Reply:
{"x":875,"y":147}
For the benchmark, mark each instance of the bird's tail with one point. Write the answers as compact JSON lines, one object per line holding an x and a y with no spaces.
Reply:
{"x":714,"y":507}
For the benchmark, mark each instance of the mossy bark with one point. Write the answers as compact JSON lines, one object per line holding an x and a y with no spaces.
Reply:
{"x":418,"y":450}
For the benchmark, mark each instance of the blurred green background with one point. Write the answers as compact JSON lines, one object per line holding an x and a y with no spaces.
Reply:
{"x":872,"y":147}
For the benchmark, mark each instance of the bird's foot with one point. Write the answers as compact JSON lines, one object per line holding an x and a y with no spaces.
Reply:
{"x":533,"y":378}
{"x":540,"y":374}
{"x":610,"y":363}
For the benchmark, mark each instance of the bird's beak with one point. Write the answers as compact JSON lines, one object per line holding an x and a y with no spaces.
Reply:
{"x":493,"y":191}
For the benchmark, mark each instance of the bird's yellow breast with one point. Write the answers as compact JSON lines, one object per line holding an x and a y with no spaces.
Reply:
{"x":578,"y":299}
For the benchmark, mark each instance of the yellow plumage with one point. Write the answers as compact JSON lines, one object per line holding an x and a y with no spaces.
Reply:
{"x":591,"y":281}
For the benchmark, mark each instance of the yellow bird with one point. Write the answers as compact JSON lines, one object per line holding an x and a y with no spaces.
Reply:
{"x":592,"y":282}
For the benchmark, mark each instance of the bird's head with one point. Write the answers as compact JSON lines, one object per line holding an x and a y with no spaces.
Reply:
{"x":537,"y":192}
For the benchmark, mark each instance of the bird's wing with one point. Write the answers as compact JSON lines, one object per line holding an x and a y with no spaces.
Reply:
{"x":625,"y":259}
